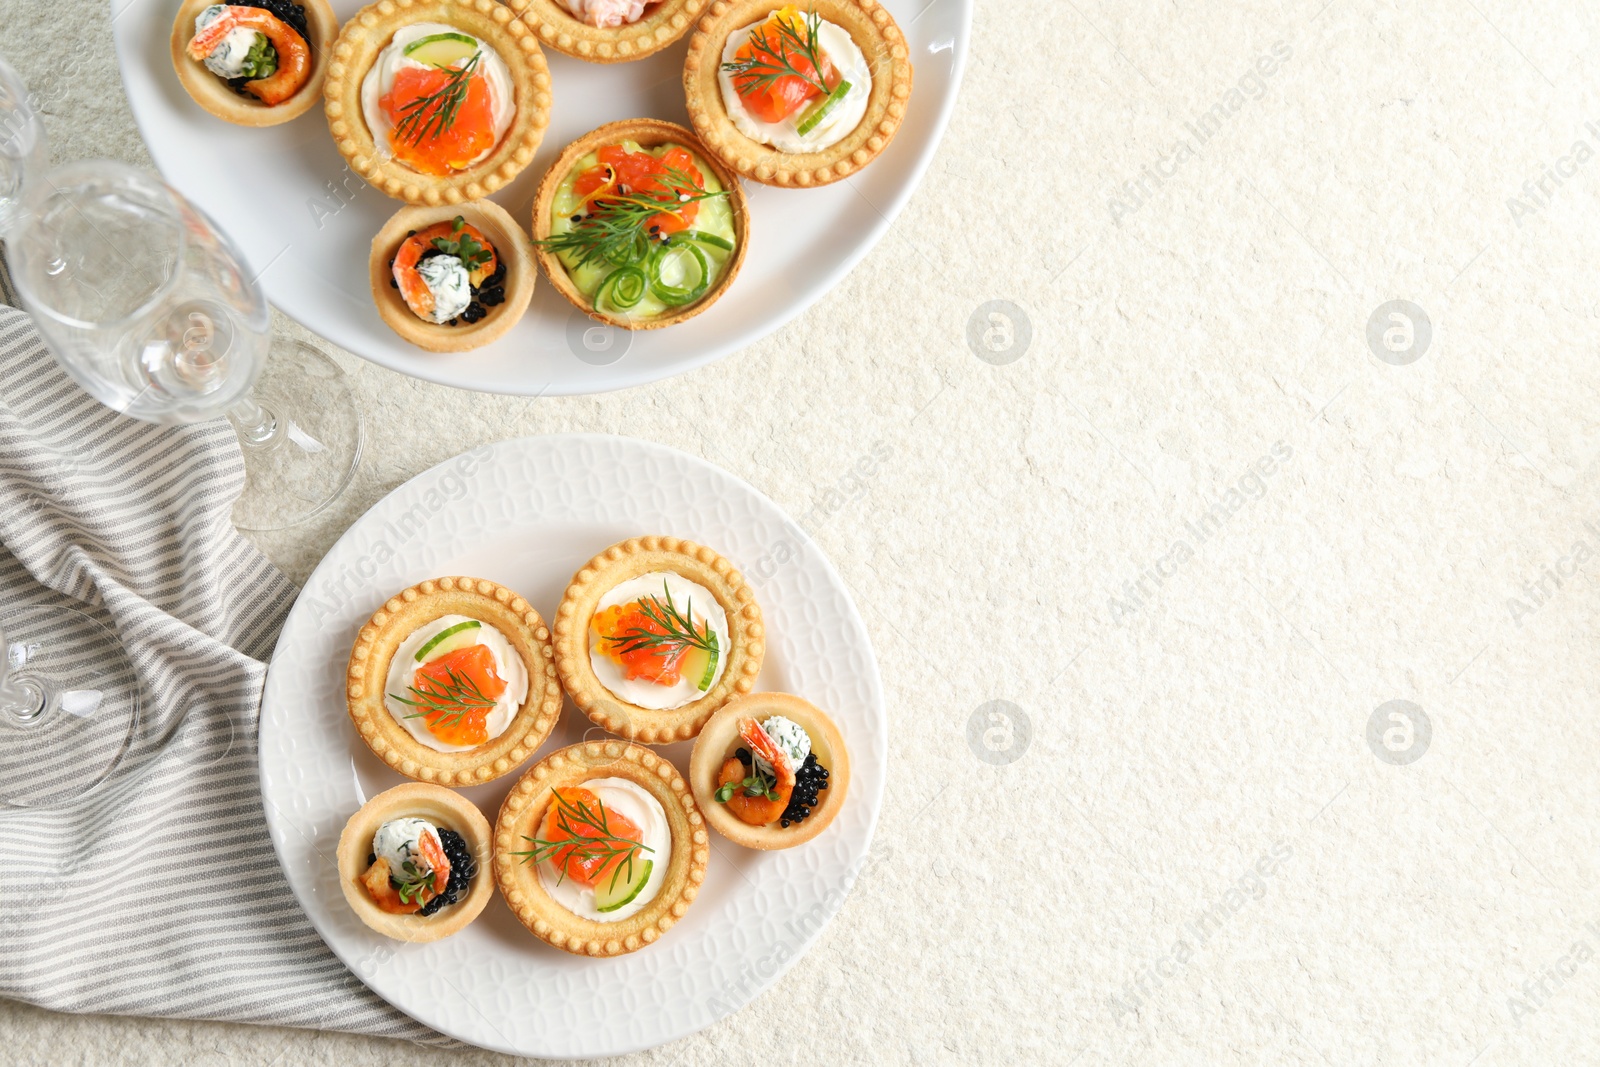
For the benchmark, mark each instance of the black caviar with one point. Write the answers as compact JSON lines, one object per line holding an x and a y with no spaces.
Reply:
{"x":809,"y":780}
{"x":463,"y":869}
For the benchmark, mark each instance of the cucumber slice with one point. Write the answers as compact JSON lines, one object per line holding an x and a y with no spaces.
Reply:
{"x":449,"y":639}
{"x":442,"y":49}
{"x":609,"y":896}
{"x":821,"y":109}
{"x":700,"y":665}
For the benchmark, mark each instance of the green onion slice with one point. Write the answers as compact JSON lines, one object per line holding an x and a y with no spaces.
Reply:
{"x":673,"y":295}
{"x":623,"y":288}
{"x":706,"y":238}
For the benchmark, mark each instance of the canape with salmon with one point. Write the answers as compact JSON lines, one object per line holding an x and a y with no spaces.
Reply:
{"x":654,"y":634}
{"x":609,"y":31}
{"x":437,"y":101}
{"x":770,"y":770}
{"x":410,"y":862}
{"x":637,"y":227}
{"x":600,"y":848}
{"x":453,"y":277}
{"x":452,"y":681}
{"x":253,"y":64}
{"x":797,"y":95}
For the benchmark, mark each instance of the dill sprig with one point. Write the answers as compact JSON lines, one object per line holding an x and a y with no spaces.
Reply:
{"x":769,"y":61}
{"x":450,"y":699}
{"x":615,"y":228}
{"x":605,"y":847}
{"x":429,"y":116}
{"x":677,"y":629}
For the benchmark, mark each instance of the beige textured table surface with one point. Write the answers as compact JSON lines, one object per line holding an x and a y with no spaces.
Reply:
{"x":1209,"y":849}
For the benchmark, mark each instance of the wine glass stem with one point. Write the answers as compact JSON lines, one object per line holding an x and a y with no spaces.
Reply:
{"x":22,"y":699}
{"x":256,"y":425}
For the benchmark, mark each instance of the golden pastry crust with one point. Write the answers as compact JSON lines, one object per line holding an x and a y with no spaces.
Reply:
{"x":510,"y":245}
{"x":874,"y":31}
{"x":213,"y":94}
{"x":558,"y":29}
{"x":647,"y":133}
{"x":720,"y":739}
{"x":452,"y":811}
{"x":401,"y":616}
{"x":369,"y":31}
{"x":525,"y":806}
{"x":629,"y":559}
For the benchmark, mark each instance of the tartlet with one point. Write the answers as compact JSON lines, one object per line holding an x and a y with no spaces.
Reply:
{"x":404,"y":615}
{"x":443,"y":809}
{"x":519,"y":827}
{"x":883,"y":46}
{"x":661,"y":24}
{"x":215,"y":95}
{"x":360,"y":43}
{"x":650,"y":135}
{"x":509,"y":244}
{"x":721,"y":739}
{"x":734,"y":673}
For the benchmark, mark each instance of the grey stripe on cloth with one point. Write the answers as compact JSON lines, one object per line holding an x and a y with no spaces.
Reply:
{"x":156,"y":895}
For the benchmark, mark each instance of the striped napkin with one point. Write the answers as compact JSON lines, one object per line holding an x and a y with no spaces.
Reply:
{"x":159,"y":895}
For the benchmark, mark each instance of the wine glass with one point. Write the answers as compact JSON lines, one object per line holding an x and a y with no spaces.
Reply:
{"x":70,"y":705}
{"x":151,"y":309}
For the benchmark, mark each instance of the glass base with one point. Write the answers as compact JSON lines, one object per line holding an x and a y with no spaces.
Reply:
{"x":69,"y":708}
{"x":314,"y":444}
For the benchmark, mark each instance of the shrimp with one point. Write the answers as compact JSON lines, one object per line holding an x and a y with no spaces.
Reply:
{"x":387,"y":897}
{"x":294,"y":54}
{"x":758,"y":811}
{"x":413,"y":288}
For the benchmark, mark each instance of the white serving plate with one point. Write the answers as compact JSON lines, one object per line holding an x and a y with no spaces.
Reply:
{"x":528,"y":513}
{"x":306,"y":222}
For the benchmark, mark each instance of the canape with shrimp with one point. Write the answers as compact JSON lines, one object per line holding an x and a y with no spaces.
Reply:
{"x":451,"y":278}
{"x":412,"y":862}
{"x":770,"y":770}
{"x":253,"y":64}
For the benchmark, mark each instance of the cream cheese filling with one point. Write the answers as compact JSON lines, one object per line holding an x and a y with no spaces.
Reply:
{"x":402,"y":675}
{"x":785,"y":136}
{"x":390,"y":61}
{"x":689,"y":598}
{"x":633,"y":803}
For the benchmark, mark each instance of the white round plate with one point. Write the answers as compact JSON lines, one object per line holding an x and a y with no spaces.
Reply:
{"x":528,"y":514}
{"x":306,"y":222}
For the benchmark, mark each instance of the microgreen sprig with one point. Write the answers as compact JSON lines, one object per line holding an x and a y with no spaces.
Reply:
{"x":757,"y":785}
{"x":428,"y":116}
{"x":605,"y":847}
{"x":464,"y":247}
{"x":769,"y":61}
{"x":412,"y":882}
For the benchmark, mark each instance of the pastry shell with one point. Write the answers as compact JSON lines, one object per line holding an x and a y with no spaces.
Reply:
{"x":510,"y":245}
{"x":526,"y":804}
{"x":367,"y":34}
{"x":647,"y":133}
{"x":874,"y":31}
{"x":440,"y":807}
{"x":411,"y":608}
{"x":558,"y":29}
{"x":213,"y":94}
{"x":629,"y":559}
{"x":719,"y":739}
